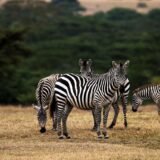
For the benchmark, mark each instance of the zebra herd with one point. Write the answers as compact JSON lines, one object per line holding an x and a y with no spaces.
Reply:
{"x":88,"y":91}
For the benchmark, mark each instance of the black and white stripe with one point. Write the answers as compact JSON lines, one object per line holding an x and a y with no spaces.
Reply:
{"x":146,"y":92}
{"x":84,"y":93}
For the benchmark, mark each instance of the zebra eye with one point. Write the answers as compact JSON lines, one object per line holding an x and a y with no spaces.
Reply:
{"x":116,"y":74}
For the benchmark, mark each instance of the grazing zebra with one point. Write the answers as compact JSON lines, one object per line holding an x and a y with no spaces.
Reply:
{"x":74,"y":90}
{"x":146,"y":92}
{"x":45,"y":91}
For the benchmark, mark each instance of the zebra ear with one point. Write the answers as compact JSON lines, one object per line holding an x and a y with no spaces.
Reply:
{"x":35,"y":107}
{"x":114,"y":64}
{"x":46,"y":107}
{"x":126,"y":64}
{"x":80,"y":61}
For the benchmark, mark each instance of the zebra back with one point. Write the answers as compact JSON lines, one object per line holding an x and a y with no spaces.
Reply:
{"x":147,"y":91}
{"x":45,"y":89}
{"x":80,"y":91}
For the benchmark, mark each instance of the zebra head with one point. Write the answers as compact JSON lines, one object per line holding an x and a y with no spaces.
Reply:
{"x":42,"y":117}
{"x":119,"y":71}
{"x":136,"y":102}
{"x":85,"y":67}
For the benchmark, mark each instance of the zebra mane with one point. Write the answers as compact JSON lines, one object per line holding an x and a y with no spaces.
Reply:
{"x":106,"y":74}
{"x":40,"y":93}
{"x":110,"y":71}
{"x":145,"y":86}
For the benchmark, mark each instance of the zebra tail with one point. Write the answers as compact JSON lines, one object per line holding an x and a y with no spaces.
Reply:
{"x":53,"y":107}
{"x":39,"y":92}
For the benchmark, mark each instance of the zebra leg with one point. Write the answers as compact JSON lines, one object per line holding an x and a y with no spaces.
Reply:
{"x":116,"y":112}
{"x":105,"y":118}
{"x":158,"y":108}
{"x":64,"y":120}
{"x":98,"y":121}
{"x":59,"y":118}
{"x":124,"y":104}
{"x":54,"y":121}
{"x":94,"y":120}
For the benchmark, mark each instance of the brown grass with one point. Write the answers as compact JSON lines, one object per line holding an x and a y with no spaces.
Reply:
{"x":20,"y":138}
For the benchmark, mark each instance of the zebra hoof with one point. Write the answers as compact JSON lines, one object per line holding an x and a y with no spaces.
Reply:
{"x":100,"y":137}
{"x":106,"y":137}
{"x":94,"y":129}
{"x":61,"y":137}
{"x":111,"y":126}
{"x":68,"y":137}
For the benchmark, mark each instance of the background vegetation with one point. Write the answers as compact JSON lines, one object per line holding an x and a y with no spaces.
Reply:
{"x":38,"y":39}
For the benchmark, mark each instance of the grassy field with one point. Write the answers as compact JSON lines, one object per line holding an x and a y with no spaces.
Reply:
{"x":20,"y":138}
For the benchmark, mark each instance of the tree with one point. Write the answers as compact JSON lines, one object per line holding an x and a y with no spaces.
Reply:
{"x":12,"y":53}
{"x":72,"y":5}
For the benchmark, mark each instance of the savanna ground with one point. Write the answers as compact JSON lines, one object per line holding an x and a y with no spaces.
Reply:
{"x":20,"y":138}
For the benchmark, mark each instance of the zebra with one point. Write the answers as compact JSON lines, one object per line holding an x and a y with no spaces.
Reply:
{"x":151,"y":91}
{"x":85,"y":71}
{"x":122,"y":93}
{"x":75,"y":90}
{"x":44,"y":93}
{"x":45,"y":90}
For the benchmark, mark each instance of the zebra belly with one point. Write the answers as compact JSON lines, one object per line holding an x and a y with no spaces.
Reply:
{"x":80,"y":103}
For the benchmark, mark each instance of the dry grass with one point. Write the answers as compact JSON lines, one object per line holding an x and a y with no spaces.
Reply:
{"x":21,"y":140}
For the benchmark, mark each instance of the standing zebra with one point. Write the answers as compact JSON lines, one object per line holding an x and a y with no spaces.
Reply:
{"x":74,"y":90}
{"x":122,"y":93}
{"x":45,"y":91}
{"x":146,"y":92}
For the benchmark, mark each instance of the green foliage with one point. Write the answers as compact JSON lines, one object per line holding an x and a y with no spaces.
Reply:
{"x":120,"y":14}
{"x":38,"y":40}
{"x":72,"y":5}
{"x":12,"y":53}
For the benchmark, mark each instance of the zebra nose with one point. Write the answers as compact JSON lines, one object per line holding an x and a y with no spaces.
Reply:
{"x":134,"y":110}
{"x":43,"y":130}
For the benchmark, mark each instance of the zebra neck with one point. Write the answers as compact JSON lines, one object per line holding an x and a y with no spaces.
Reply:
{"x":115,"y":85}
{"x":111,"y":85}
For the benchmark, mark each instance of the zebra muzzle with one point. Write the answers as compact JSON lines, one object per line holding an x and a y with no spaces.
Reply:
{"x":42,"y":130}
{"x":134,"y":110}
